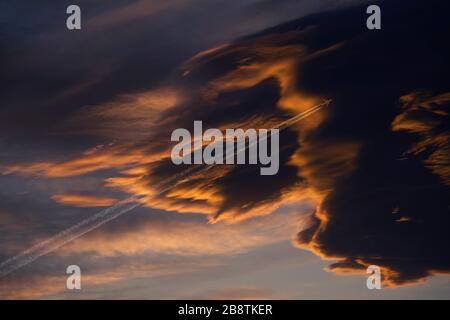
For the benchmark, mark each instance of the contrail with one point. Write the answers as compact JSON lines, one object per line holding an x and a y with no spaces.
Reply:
{"x":53,"y":243}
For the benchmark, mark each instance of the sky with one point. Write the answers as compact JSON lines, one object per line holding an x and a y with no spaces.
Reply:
{"x":85,"y":123}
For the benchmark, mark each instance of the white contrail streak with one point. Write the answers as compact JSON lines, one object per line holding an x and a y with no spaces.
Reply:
{"x":53,"y":243}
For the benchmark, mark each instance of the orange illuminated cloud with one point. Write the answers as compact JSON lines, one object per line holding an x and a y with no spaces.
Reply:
{"x":128,"y":116}
{"x":83,"y":201}
{"x":114,"y":157}
{"x":262,"y":58}
{"x":188,"y":238}
{"x":423,"y":114}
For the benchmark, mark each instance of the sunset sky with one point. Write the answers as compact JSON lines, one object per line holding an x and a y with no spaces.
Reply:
{"x":86,"y":118}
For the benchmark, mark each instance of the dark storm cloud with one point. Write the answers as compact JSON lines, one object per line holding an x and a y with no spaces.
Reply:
{"x":391,"y":210}
{"x":374,"y":206}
